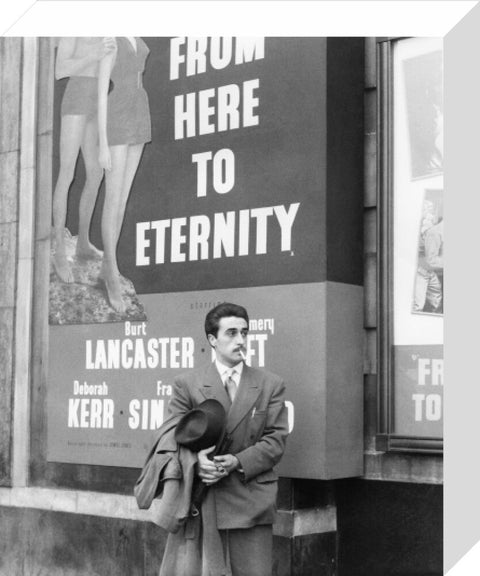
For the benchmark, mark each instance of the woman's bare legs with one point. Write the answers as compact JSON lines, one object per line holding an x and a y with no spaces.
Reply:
{"x":93,"y":179}
{"x":71,"y":136}
{"x":125,"y":160}
{"x":114,"y":182}
{"x":133,"y":160}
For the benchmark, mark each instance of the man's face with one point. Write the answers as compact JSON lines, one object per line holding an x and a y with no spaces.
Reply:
{"x":230,"y":340}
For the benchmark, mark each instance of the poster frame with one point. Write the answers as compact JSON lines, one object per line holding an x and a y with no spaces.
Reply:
{"x":45,"y":469}
{"x":386,"y":439}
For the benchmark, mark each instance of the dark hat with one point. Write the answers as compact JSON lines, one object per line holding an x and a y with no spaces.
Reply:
{"x":202,"y":427}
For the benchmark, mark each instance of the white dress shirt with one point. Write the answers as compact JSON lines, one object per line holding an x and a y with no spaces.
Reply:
{"x":225,"y":371}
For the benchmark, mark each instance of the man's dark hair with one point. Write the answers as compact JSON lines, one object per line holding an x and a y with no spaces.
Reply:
{"x":223,"y":310}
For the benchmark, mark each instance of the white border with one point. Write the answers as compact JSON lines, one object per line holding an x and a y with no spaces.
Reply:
{"x":286,"y":18}
{"x":230,"y":17}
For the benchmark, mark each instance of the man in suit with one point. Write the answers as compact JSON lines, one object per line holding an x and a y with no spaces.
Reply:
{"x":241,"y":480}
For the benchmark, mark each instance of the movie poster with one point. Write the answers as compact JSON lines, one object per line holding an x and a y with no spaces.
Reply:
{"x":418,"y":239}
{"x":220,"y":197}
{"x":428,"y":296}
{"x":424,"y":100}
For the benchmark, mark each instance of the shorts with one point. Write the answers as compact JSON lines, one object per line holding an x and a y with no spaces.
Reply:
{"x":80,"y":97}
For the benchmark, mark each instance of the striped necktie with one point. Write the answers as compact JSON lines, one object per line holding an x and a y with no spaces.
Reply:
{"x":231,"y":385}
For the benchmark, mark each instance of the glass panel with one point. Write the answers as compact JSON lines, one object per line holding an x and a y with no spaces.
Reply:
{"x":418,"y":302}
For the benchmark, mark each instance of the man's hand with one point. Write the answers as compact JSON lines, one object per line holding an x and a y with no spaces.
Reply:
{"x":227,"y":462}
{"x":206,"y":468}
{"x":212,"y":471}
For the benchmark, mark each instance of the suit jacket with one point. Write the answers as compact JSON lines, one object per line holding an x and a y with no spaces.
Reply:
{"x":167,"y":477}
{"x":256,"y":432}
{"x":161,"y":456}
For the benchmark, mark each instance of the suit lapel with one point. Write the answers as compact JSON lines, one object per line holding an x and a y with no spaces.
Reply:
{"x":247,"y":394}
{"x":212,"y":387}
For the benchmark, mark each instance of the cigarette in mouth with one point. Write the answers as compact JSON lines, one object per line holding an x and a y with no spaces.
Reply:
{"x":242,"y":354}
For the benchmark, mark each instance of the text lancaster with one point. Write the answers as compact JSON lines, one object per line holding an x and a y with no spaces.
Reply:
{"x":203,"y":237}
{"x":137,"y":353}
